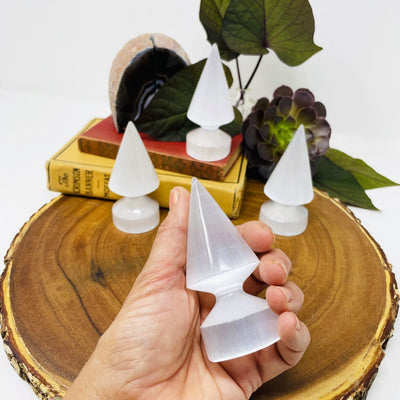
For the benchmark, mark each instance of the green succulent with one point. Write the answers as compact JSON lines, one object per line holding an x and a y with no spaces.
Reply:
{"x":270,"y":126}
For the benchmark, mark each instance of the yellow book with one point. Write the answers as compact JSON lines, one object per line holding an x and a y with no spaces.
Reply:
{"x":71,"y":171}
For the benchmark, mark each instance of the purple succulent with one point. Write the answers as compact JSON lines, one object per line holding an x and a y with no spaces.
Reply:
{"x":270,"y":126}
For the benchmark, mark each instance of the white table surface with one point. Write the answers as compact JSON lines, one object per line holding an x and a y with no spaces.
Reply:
{"x":34,"y":126}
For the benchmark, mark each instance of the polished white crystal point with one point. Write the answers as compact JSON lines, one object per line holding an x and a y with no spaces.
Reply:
{"x":215,"y":246}
{"x":288,"y":187}
{"x":218,"y":261}
{"x":290,"y":182}
{"x":210,"y":108}
{"x":133,"y":173}
{"x":132,"y":177}
{"x":211,"y":105}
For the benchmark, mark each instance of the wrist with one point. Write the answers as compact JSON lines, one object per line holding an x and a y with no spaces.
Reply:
{"x":86,"y":385}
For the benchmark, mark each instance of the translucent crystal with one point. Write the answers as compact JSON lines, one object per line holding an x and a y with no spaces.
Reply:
{"x":211,"y":105}
{"x":208,"y":145}
{"x":218,"y":261}
{"x":133,"y":177}
{"x":284,"y":220}
{"x":210,"y":108}
{"x":136,"y":214}
{"x":289,"y":187}
{"x":133,"y":173}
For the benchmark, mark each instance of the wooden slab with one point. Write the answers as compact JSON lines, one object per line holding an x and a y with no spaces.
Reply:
{"x":69,"y":270}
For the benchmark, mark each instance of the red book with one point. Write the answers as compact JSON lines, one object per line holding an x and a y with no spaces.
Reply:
{"x":104,"y":140}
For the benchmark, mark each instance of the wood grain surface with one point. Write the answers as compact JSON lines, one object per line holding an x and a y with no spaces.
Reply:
{"x":69,"y":270}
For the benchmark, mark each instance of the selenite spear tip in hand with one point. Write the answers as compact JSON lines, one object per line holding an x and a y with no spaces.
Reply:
{"x":153,"y":348}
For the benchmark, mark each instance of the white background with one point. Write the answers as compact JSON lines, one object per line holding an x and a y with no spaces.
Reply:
{"x":66,"y":48}
{"x":55,"y":57}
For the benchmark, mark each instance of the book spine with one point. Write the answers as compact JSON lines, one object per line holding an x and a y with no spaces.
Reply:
{"x":75,"y":179}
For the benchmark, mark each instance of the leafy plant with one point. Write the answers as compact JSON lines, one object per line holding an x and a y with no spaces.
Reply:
{"x":253,"y":27}
{"x":256,"y":27}
{"x":341,"y":184}
{"x":238,"y":27}
{"x":347,"y":178}
{"x":269,"y":128}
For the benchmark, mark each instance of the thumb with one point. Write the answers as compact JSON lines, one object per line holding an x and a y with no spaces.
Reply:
{"x":167,"y":258}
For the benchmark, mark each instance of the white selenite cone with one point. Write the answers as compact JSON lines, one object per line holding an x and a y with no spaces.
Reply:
{"x":218,"y":261}
{"x":288,"y":187}
{"x":133,"y":177}
{"x":210,"y":108}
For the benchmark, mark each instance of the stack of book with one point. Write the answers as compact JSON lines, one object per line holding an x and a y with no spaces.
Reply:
{"x":83,"y":167}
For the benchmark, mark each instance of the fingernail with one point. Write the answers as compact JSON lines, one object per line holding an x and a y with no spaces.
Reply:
{"x":297,"y":324}
{"x":173,"y":197}
{"x":283,"y":266}
{"x":287,"y":293}
{"x":267,"y":228}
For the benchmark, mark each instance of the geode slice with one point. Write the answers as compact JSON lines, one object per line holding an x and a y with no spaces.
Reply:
{"x":138,"y":71}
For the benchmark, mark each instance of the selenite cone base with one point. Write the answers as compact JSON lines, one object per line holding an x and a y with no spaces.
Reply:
{"x":245,"y":335}
{"x":208,"y":145}
{"x":284,"y":220}
{"x":136,"y":214}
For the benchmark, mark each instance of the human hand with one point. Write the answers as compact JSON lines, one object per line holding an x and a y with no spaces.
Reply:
{"x":153,"y":348}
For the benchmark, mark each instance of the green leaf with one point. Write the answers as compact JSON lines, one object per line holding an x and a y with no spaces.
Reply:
{"x":165,"y":117}
{"x":284,"y":26}
{"x":211,"y":15}
{"x":366,"y":176}
{"x":234,"y":127}
{"x":340,"y":184}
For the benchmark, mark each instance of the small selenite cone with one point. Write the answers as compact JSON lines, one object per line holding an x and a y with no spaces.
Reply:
{"x":133,"y":173}
{"x":289,"y":187}
{"x":210,"y":108}
{"x":211,"y":105}
{"x":290,"y":182}
{"x":132,"y":177}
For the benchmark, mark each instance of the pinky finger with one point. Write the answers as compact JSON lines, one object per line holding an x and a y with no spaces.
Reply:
{"x":295,"y":338}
